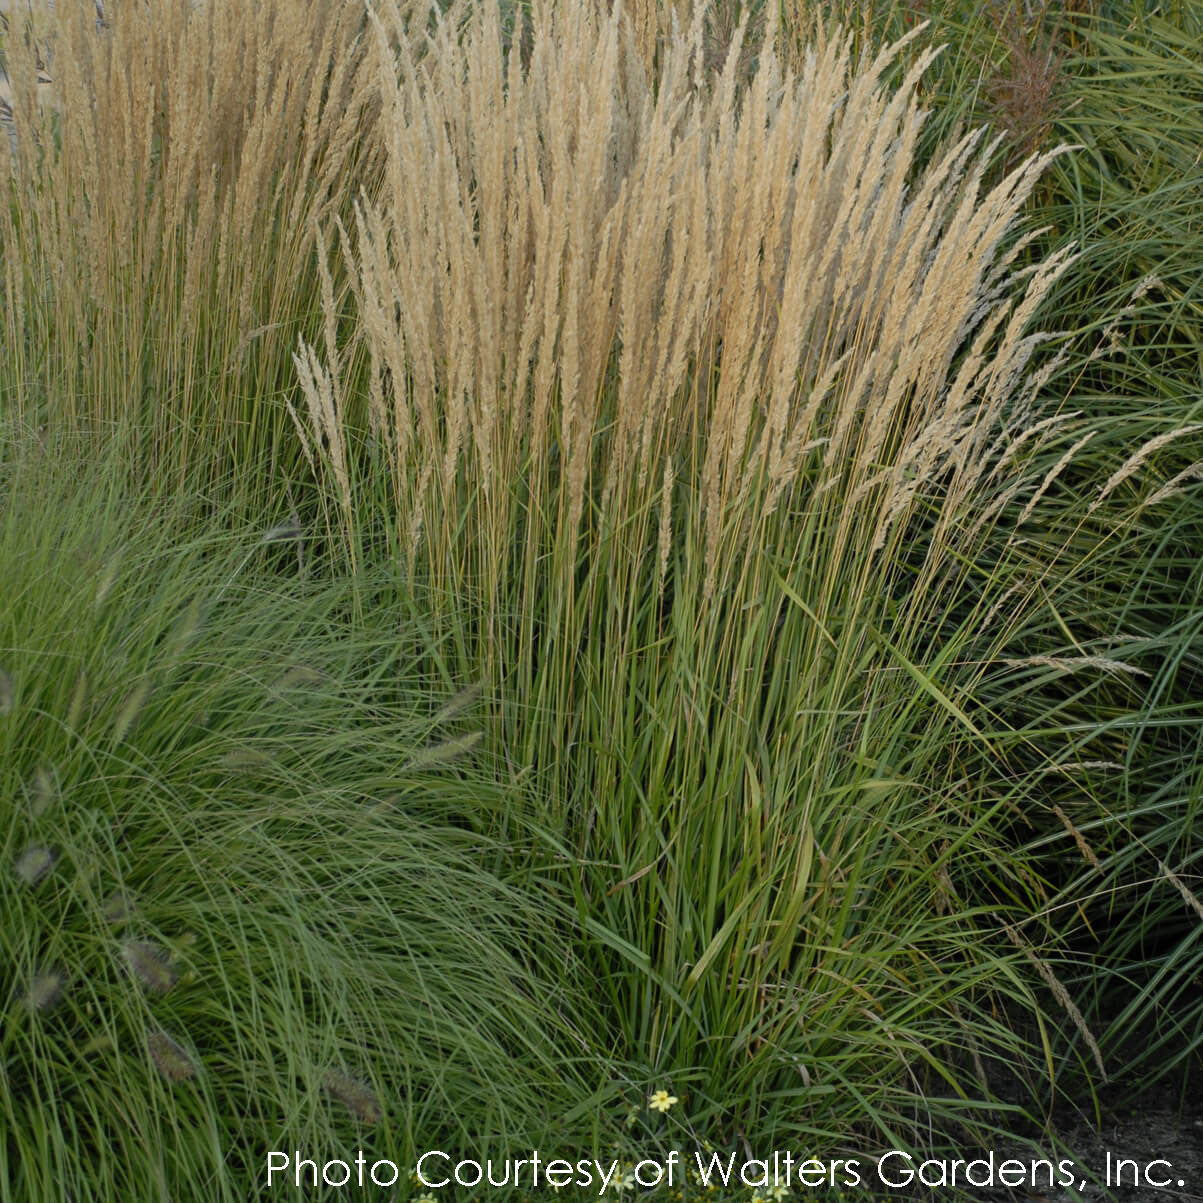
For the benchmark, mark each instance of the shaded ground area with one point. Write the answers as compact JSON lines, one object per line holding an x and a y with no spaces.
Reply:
{"x":1149,"y":1144}
{"x":1154,"y":1138}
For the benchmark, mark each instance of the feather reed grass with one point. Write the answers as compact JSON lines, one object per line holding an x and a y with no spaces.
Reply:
{"x":155,"y":233}
{"x":704,"y":414}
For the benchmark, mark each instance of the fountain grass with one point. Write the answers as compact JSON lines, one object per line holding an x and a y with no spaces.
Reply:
{"x":202,"y":956}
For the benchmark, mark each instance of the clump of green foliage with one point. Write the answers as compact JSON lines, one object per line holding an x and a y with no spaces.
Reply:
{"x":247,"y":895}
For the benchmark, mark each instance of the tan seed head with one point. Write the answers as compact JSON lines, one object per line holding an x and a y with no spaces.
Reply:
{"x":169,"y":1057}
{"x":34,"y":863}
{"x":149,"y":964}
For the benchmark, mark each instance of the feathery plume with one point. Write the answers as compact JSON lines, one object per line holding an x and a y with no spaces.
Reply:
{"x":283,"y":532}
{"x":1174,"y":484}
{"x":117,"y":908}
{"x":149,"y":964}
{"x":43,"y":791}
{"x":297,"y":675}
{"x":445,"y":752}
{"x":34,"y":863}
{"x":108,"y":578}
{"x":458,"y":703}
{"x":79,"y":698}
{"x":245,"y":760}
{"x":1060,"y":994}
{"x":169,"y":1057}
{"x":1188,"y":896}
{"x":46,"y":990}
{"x":130,"y":709}
{"x":1073,"y":664}
{"x":1084,"y":847}
{"x":355,"y":1095}
{"x":186,"y":626}
{"x":1133,"y":463}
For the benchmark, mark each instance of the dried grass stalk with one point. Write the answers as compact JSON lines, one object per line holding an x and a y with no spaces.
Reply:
{"x":165,"y":198}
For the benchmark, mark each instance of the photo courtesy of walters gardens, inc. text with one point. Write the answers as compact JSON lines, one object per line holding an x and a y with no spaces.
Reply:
{"x":601,"y":599}
{"x":777,"y":1176}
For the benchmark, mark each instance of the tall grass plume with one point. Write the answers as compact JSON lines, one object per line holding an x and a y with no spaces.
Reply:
{"x":704,"y":414}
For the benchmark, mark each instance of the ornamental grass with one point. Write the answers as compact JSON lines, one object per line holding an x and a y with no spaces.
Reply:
{"x":709,"y":419}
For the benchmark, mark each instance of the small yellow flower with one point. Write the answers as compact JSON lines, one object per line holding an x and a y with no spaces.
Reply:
{"x":779,"y":1192}
{"x":426,"y":1198}
{"x":661,"y":1101}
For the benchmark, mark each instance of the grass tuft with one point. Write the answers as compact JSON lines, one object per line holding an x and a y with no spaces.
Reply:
{"x":283,"y":923}
{"x":744,"y":446}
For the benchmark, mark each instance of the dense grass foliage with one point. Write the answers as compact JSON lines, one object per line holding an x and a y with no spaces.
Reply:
{"x":246,"y":896}
{"x":1116,"y":758}
{"x":618,"y":552}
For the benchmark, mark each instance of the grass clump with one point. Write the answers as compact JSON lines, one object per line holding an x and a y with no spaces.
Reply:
{"x":706,"y":416}
{"x":1106,"y":765}
{"x":201,"y":956}
{"x":1111,"y":756}
{"x":156,"y":260}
